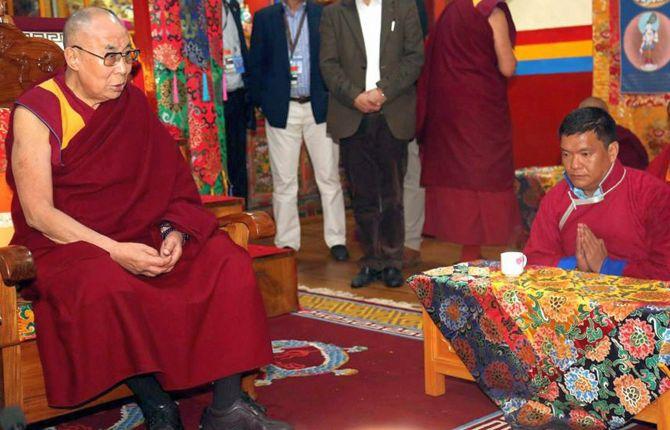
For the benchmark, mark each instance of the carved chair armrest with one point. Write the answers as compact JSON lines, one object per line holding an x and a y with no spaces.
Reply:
{"x":16,"y":265}
{"x":260,"y":224}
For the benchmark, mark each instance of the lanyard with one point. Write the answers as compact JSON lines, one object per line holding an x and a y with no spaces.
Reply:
{"x":226,"y":8}
{"x":293,"y":43}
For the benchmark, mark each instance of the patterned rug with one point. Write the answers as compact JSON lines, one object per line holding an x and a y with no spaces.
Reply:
{"x":384,"y":316}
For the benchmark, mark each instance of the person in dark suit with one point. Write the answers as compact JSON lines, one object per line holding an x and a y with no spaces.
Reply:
{"x":238,"y":110}
{"x":371,"y":57}
{"x":287,"y":85}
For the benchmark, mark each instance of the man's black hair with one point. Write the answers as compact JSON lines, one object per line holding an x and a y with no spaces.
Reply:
{"x":587,"y":119}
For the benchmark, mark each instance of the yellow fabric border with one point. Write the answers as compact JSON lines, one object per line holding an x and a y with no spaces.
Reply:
{"x":71,"y":121}
{"x":543,"y":51}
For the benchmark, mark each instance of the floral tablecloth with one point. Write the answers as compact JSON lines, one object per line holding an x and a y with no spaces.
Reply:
{"x":553,"y":348}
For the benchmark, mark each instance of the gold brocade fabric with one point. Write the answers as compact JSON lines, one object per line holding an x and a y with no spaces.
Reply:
{"x":555,"y":348}
{"x":644,"y":114}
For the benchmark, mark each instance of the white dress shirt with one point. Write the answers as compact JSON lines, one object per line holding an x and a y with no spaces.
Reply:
{"x":370,"y":17}
{"x":231,"y":46}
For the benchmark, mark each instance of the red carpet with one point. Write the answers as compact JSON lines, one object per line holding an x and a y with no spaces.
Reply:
{"x":386,"y":392}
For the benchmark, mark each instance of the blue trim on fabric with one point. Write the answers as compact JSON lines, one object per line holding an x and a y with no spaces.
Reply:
{"x":568,"y":263}
{"x":554,"y":65}
{"x":612,"y":266}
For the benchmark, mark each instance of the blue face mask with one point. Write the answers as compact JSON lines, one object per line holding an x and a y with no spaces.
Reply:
{"x":582,"y":195}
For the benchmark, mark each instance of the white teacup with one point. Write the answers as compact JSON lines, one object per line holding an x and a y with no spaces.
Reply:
{"x":512,"y":263}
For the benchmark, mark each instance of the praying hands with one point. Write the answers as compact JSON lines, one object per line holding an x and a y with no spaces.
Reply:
{"x":590,"y":251}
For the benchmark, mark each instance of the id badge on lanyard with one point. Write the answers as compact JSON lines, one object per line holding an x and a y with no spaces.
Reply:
{"x":295,"y":62}
{"x":296,"y":70}
{"x":233,"y":63}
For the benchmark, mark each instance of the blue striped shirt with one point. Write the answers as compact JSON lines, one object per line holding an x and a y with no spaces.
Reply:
{"x":301,"y":49}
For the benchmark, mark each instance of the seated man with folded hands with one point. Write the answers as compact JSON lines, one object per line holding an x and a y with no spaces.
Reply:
{"x":604,"y":218}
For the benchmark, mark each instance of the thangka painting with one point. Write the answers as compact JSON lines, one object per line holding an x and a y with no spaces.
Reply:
{"x":188,"y":45}
{"x":645,"y":46}
{"x":645,"y":114}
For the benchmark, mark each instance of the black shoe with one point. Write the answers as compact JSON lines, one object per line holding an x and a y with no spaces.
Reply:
{"x":364,"y":277}
{"x":240,"y":416}
{"x":392,"y":277}
{"x":162,"y":417}
{"x":339,"y":253}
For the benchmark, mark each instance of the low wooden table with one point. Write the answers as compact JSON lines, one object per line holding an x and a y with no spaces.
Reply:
{"x":537,"y":344}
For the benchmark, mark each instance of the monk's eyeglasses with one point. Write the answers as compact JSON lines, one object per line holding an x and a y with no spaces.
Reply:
{"x":110,"y":59}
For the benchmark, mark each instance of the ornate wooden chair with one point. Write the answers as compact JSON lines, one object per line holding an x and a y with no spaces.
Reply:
{"x":23,"y":61}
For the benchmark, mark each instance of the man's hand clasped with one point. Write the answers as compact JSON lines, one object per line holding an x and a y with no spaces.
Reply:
{"x":141,"y":259}
{"x":590,"y":251}
{"x":370,"y":101}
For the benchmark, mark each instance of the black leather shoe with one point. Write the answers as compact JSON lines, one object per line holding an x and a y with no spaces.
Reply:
{"x":366,"y":276}
{"x":339,"y":253}
{"x":240,"y":416}
{"x":163,"y":417}
{"x":392,"y":277}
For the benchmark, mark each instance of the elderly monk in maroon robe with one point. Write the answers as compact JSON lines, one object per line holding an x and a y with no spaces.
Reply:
{"x":465,"y":127}
{"x":631,"y":151}
{"x":134,"y":282}
{"x":604,"y":217}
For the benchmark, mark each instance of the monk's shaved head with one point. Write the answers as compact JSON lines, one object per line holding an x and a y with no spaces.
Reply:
{"x":80,"y":22}
{"x":594,"y":102}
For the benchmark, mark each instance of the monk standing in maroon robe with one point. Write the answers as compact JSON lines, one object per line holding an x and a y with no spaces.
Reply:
{"x":604,"y":217}
{"x":465,"y":126}
{"x":134,"y":283}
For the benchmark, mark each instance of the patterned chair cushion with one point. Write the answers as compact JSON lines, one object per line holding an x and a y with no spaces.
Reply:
{"x":26,"y":321}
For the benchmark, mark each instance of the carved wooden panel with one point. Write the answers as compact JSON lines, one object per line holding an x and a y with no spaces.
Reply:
{"x":24,"y":61}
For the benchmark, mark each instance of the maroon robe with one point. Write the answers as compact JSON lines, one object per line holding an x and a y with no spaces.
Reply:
{"x":660,"y":166}
{"x":632,"y":220}
{"x":631,"y":151}
{"x":98,"y":324}
{"x":465,"y":130}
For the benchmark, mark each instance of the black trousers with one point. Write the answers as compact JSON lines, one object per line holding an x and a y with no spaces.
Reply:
{"x":375,"y":163}
{"x":235,"y":113}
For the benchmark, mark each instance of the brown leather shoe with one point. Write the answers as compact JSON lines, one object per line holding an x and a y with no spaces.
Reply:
{"x":240,"y":416}
{"x":410,"y":257}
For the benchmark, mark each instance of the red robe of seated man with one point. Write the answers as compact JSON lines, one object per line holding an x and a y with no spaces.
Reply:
{"x":631,"y":216}
{"x":117,"y":171}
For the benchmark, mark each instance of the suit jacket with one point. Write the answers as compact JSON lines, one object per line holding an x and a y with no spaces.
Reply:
{"x":343,"y":64}
{"x":269,"y":64}
{"x":249,"y":116}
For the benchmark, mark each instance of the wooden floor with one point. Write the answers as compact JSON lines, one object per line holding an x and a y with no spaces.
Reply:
{"x":316,"y":269}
